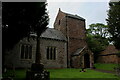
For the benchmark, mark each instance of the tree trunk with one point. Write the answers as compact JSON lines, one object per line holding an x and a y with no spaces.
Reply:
{"x":38,"y":54}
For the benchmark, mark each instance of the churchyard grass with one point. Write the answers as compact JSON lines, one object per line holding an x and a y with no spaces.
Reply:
{"x":75,"y":73}
{"x":18,"y":74}
{"x":105,"y":66}
{"x":64,"y":73}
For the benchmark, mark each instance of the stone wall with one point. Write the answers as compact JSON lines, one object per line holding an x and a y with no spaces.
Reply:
{"x":61,"y":54}
{"x":60,"y":23}
{"x":13,"y":57}
{"x":74,"y":30}
{"x":78,"y":61}
{"x":108,"y":59}
{"x":76,"y":39}
{"x":109,"y":55}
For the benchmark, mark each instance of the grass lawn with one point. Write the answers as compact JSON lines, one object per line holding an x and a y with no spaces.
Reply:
{"x":75,"y":73}
{"x":18,"y":74}
{"x":66,"y":73}
{"x":105,"y":66}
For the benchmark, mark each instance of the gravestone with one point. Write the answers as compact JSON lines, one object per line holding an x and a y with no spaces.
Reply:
{"x":37,"y":72}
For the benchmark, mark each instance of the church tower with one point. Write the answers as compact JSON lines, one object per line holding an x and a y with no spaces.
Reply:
{"x":73,"y":27}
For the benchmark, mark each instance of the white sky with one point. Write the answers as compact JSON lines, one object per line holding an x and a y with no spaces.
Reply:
{"x":94,"y":11}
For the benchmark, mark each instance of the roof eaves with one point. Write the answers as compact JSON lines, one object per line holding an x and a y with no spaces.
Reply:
{"x":75,"y":16}
{"x":79,"y":51}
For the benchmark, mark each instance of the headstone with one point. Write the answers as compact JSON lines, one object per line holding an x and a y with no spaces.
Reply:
{"x":37,"y":72}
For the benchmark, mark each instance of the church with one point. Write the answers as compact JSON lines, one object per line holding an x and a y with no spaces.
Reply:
{"x":63,"y":46}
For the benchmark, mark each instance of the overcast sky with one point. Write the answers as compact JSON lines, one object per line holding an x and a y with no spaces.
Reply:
{"x":93,"y":12}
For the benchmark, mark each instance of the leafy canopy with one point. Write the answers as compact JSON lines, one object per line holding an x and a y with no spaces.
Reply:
{"x":20,"y":18}
{"x":113,"y":22}
{"x":97,"y":38}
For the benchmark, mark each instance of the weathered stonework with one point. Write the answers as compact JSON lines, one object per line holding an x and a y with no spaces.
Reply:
{"x":109,"y":55}
{"x":81,"y":61}
{"x":13,"y":59}
{"x":73,"y":27}
{"x":61,"y":58}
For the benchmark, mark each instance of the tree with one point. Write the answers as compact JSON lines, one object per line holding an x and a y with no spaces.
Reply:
{"x":98,"y":29}
{"x":97,"y":38}
{"x":113,"y":22}
{"x":19,"y":19}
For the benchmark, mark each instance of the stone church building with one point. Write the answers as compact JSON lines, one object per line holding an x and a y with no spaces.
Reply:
{"x":61,"y":47}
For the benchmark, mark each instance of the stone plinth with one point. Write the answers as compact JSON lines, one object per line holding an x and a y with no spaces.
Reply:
{"x":37,"y":72}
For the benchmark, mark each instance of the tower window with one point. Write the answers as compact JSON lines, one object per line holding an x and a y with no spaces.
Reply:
{"x":59,"y":22}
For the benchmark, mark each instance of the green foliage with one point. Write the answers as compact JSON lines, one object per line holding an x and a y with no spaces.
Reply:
{"x":97,"y":38}
{"x":98,"y":29}
{"x":19,"y":19}
{"x":113,"y":22}
{"x":118,"y":53}
{"x":119,"y":69}
{"x":96,"y":43}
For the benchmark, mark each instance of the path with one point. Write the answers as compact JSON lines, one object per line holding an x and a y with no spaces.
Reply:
{"x":105,"y":71}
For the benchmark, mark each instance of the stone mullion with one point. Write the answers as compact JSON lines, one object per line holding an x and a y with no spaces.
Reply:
{"x":24,"y":52}
{"x":27,"y":54}
{"x":28,"y":51}
{"x":55,"y":53}
{"x":21,"y":51}
{"x":52,"y":53}
{"x":49,"y":52}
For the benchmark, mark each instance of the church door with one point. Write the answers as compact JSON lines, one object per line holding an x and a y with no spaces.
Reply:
{"x":86,"y":61}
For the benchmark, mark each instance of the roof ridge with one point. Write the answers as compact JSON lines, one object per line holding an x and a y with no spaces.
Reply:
{"x":73,"y":15}
{"x":53,"y":33}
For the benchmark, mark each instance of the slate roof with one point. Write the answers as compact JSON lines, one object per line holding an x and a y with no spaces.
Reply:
{"x":52,"y":33}
{"x":78,"y":51}
{"x":75,"y":16}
